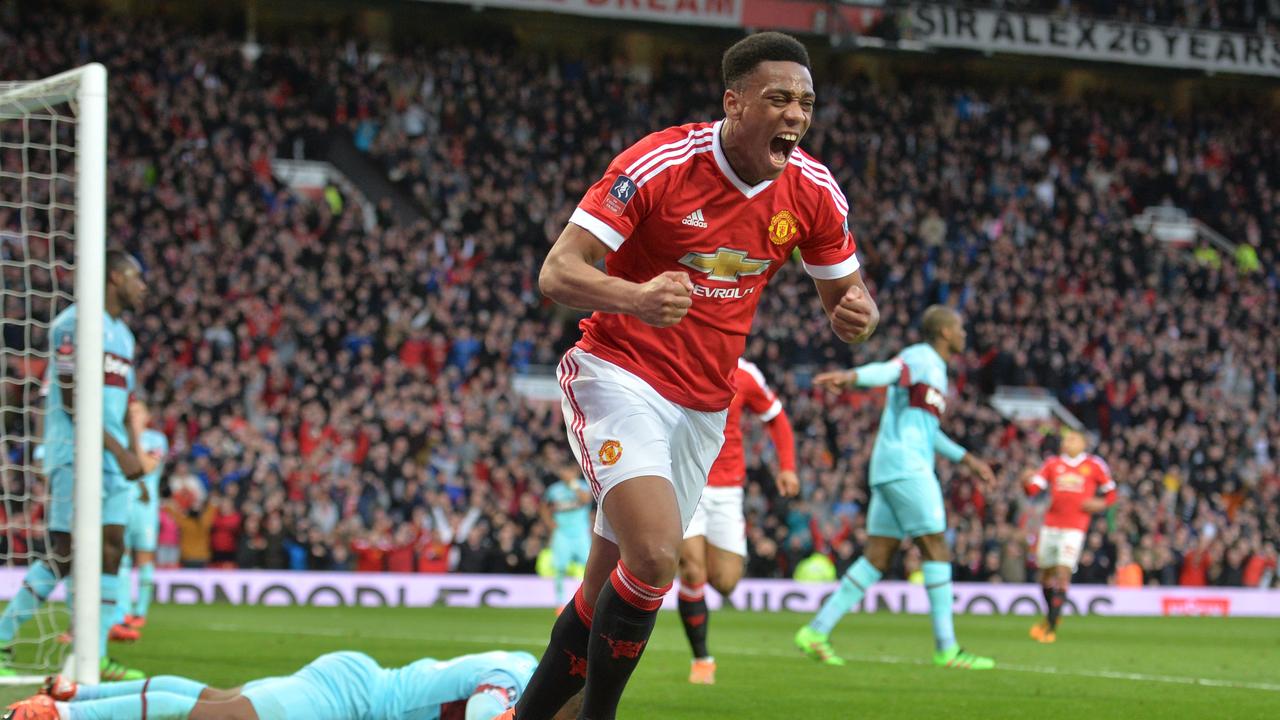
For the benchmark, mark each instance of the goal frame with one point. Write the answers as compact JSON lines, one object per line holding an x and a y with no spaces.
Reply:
{"x":86,"y":86}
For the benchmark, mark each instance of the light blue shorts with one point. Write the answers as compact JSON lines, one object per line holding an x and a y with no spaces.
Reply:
{"x":907,"y":507}
{"x":143,"y":527}
{"x":337,"y":686}
{"x":567,"y":549}
{"x":117,"y":495}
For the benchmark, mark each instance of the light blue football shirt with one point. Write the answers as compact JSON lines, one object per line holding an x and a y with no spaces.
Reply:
{"x":909,"y":432}
{"x":575,"y":521}
{"x":426,"y":689}
{"x":118,"y":381}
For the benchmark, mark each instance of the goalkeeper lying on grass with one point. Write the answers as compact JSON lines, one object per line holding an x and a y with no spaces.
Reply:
{"x":337,"y":686}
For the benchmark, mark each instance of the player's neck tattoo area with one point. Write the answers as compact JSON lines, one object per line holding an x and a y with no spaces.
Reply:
{"x":734,"y":152}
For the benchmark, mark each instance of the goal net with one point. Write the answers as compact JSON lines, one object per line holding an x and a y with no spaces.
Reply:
{"x":52,"y":227}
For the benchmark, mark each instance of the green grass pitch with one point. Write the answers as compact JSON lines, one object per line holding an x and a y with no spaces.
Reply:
{"x":1100,"y":667}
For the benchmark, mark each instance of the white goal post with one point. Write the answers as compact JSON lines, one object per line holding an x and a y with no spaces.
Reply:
{"x":34,"y":119}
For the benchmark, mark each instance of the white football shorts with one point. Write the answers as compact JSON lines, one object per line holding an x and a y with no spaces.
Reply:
{"x":619,"y":428}
{"x":1059,"y":546}
{"x":719,"y":518}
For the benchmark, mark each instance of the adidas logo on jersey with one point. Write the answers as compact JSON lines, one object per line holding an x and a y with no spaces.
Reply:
{"x":695,"y":219}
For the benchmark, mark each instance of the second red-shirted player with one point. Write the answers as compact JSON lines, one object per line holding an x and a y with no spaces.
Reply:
{"x":1073,"y":480}
{"x":715,"y":543}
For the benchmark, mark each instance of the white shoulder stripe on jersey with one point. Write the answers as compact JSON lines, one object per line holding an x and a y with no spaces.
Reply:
{"x":597,"y":227}
{"x":694,"y":150}
{"x":833,"y":272}
{"x":683,"y":142}
{"x":774,"y":411}
{"x":829,"y":185}
{"x":817,"y":168}
{"x":681,"y":151}
{"x":751,"y":369}
{"x":821,"y":174}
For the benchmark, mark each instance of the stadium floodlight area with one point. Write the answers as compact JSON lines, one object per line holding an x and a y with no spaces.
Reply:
{"x":53,"y":147}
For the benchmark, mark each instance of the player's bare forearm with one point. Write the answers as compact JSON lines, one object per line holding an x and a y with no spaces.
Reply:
{"x":1093,"y":505}
{"x":852,"y":311}
{"x":130,"y":465}
{"x":574,"y":282}
{"x":980,"y":468}
{"x":570,"y":277}
{"x":135,"y":433}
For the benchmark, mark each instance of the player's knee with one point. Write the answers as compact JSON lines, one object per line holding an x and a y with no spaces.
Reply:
{"x":934,"y":548}
{"x":725,"y":580}
{"x":653,"y":561}
{"x":111,"y":559}
{"x":879,"y":557}
{"x":61,"y":542}
{"x":692,"y":570}
{"x":692,"y":574}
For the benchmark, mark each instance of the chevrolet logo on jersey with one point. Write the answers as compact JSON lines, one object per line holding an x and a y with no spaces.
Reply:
{"x":725,"y":264}
{"x":1071,"y":481}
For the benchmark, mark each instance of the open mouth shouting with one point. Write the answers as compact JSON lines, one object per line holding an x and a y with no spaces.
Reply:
{"x":780,"y":147}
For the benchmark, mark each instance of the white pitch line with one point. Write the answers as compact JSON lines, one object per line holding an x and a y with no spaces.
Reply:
{"x":496,"y":640}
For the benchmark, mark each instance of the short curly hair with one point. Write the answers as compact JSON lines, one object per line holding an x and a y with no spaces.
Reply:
{"x":743,"y":56}
{"x":937,"y":318}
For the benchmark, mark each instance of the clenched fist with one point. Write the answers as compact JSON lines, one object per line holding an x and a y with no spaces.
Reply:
{"x":664,"y":300}
{"x":854,"y":318}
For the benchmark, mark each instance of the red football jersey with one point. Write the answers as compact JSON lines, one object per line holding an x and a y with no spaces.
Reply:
{"x":1070,"y":481}
{"x":672,"y":202}
{"x":730,"y":467}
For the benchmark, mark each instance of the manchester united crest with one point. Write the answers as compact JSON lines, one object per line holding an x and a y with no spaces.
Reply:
{"x":610,"y":451}
{"x":783,"y":227}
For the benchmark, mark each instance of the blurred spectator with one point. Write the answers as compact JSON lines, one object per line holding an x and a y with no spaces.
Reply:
{"x":224,"y":535}
{"x":1128,"y":572}
{"x":194,"y":526}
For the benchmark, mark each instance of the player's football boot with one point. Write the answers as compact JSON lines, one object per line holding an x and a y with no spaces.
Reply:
{"x":816,"y":645}
{"x":1049,"y":637}
{"x":65,"y":638}
{"x":137,"y":622}
{"x":1039,"y":629}
{"x":703,"y":671}
{"x":59,"y":687}
{"x":36,"y":707}
{"x":123,"y":633}
{"x":508,"y":715}
{"x":958,"y":658}
{"x":112,"y":671}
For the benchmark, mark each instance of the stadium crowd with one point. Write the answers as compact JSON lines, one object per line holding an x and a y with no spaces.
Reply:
{"x":342,"y":398}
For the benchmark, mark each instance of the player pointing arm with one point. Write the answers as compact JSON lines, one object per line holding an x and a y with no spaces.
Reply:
{"x":883,"y":374}
{"x":906,"y":499}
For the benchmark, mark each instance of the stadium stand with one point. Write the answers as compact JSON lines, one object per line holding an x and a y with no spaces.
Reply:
{"x":342,"y":399}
